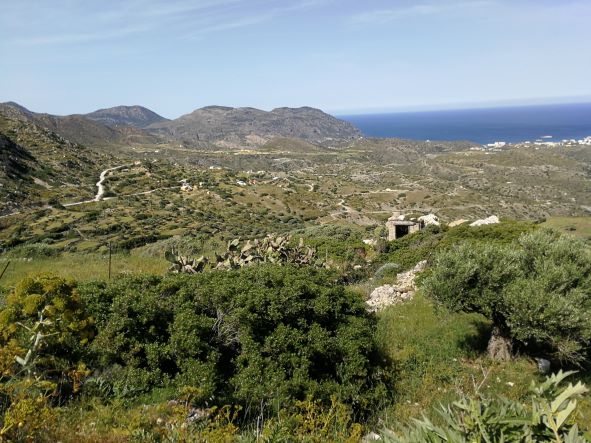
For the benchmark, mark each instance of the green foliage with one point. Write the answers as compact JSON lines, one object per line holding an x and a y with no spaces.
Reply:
{"x":547,"y":418}
{"x":536,"y":290}
{"x":334,"y":243}
{"x":35,"y":250}
{"x":260,"y":337}
{"x":500,"y":233}
{"x":44,"y":330}
{"x":310,"y":421}
{"x":270,"y":249}
{"x":45,"y":316}
{"x":423,"y":245}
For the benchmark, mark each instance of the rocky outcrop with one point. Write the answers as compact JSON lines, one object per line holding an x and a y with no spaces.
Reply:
{"x":404,"y":289}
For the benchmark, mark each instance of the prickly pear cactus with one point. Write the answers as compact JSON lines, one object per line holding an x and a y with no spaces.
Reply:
{"x":185,"y":265}
{"x":271,"y":249}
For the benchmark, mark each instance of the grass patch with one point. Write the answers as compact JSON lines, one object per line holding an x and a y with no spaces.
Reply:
{"x":82,"y":267}
{"x":439,"y":356}
{"x":579,"y":226}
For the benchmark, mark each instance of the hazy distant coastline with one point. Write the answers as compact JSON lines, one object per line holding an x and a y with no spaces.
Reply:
{"x":509,"y":124}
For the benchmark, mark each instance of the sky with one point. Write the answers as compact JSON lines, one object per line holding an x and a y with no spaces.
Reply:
{"x":342,"y":56}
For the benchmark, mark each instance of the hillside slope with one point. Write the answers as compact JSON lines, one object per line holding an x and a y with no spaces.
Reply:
{"x":79,"y":128}
{"x":250,"y":126}
{"x":37,"y":165}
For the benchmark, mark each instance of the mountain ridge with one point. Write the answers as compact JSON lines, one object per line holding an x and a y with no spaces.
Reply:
{"x":249,"y":125}
{"x":209,"y":126}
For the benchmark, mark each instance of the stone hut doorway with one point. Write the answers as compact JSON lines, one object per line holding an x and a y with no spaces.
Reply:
{"x":401,"y":231}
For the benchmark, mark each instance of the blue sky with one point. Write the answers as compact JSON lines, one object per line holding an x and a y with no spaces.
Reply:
{"x":343,"y":56}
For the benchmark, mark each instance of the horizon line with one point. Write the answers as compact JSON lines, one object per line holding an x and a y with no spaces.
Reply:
{"x":512,"y":103}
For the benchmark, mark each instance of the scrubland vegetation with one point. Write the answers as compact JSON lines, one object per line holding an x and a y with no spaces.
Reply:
{"x":270,"y":340}
{"x":288,"y":352}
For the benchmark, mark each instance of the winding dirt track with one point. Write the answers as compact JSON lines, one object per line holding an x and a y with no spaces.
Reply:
{"x":100,"y":187}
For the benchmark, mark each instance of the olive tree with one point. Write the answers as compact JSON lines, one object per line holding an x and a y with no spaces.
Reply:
{"x":536,"y":292}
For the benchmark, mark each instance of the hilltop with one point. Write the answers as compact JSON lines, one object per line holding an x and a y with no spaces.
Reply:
{"x":255,"y":127}
{"x":136,"y":116}
{"x":208,"y":127}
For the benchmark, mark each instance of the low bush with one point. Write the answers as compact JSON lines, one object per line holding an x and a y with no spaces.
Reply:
{"x":50,"y":310}
{"x":260,"y":337}
{"x":337,"y":244}
{"x":423,"y":245}
{"x":34,"y":250}
{"x":44,"y":332}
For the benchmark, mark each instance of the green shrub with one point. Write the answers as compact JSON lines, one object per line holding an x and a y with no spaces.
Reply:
{"x":423,"y":245}
{"x":44,"y":330}
{"x":35,"y":250}
{"x":52,"y":307}
{"x":260,"y":337}
{"x":310,"y":421}
{"x":334,"y":243}
{"x":535,"y":291}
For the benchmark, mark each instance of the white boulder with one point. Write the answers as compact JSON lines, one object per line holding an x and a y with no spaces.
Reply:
{"x":430,"y":219}
{"x":492,"y":220}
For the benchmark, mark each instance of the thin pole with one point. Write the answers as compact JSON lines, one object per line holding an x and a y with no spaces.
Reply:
{"x":110,"y":260}
{"x":4,"y":270}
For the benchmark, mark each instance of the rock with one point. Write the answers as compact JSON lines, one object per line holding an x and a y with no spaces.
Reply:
{"x":430,"y":219}
{"x":372,"y":436}
{"x":492,"y":220}
{"x":543,"y":366}
{"x":404,"y":289}
{"x":370,"y":241}
{"x":457,"y":222}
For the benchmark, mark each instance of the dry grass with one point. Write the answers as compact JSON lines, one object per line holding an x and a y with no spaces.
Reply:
{"x":81,"y":267}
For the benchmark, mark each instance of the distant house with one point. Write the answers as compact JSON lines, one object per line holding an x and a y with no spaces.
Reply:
{"x":399,"y":228}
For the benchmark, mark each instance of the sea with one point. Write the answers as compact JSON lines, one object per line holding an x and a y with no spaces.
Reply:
{"x":485,"y":125}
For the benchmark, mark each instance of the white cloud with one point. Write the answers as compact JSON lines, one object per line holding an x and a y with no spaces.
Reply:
{"x":382,"y":16}
{"x":183,"y":18}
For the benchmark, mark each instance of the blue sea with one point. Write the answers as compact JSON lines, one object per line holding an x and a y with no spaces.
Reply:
{"x":486,"y":125}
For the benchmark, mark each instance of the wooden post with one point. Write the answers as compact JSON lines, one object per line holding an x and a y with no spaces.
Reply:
{"x":4,"y":270}
{"x":110,"y":252}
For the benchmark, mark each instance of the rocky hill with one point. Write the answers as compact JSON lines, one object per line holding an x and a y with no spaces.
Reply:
{"x":136,"y":116}
{"x":79,"y":128}
{"x":250,"y":126}
{"x":212,"y":126}
{"x":37,"y":165}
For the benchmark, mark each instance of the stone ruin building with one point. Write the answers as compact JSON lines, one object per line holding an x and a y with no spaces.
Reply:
{"x":399,"y":228}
